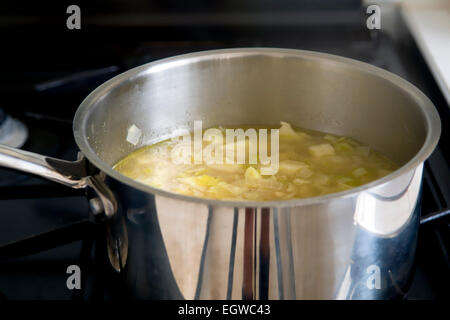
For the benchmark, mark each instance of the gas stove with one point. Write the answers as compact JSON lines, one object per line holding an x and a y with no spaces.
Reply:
{"x":44,"y":227}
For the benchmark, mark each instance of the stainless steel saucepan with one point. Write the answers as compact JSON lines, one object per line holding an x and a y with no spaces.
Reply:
{"x":355,"y":244}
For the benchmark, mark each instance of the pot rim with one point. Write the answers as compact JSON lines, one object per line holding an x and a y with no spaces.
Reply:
{"x":430,"y":115}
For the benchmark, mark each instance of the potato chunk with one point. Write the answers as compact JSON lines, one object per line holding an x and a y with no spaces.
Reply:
{"x":295,"y":168}
{"x":320,"y":150}
{"x":287,"y":131}
{"x":251,"y":174}
{"x":291,"y":166}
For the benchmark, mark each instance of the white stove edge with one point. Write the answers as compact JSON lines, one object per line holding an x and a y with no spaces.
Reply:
{"x":429,"y":24}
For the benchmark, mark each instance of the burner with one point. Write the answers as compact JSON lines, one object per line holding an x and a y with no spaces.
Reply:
{"x":37,"y":137}
{"x":13,"y":133}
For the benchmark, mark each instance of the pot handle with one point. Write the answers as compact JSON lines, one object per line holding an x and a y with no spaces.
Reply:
{"x":41,"y":166}
{"x":73,"y":174}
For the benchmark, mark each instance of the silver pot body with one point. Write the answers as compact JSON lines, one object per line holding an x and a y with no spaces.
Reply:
{"x":357,"y":244}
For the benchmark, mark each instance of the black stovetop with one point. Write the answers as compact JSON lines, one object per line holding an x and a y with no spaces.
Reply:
{"x":44,"y":93}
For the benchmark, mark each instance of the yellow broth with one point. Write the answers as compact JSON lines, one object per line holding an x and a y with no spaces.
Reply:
{"x":311,"y":163}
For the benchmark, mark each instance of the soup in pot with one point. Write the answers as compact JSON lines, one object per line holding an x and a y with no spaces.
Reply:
{"x":308,"y":164}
